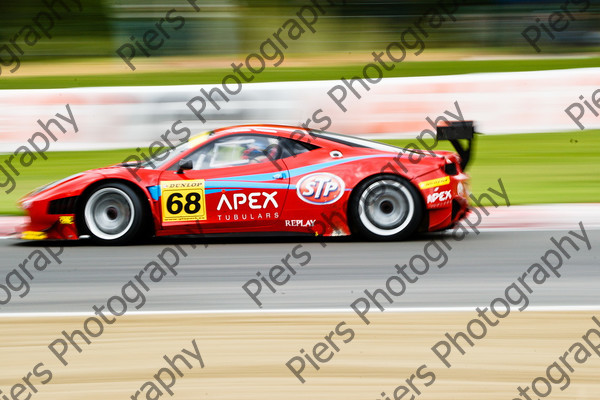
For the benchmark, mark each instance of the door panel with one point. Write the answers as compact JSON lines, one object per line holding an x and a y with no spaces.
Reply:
{"x":225,"y":198}
{"x":231,"y":198}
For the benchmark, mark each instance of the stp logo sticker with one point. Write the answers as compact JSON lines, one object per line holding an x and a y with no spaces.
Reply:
{"x":320,"y":188}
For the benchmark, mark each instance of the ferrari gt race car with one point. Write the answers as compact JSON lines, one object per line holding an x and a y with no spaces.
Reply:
{"x":262,"y":179}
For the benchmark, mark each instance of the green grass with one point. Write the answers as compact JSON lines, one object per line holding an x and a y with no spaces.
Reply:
{"x":535,"y":168}
{"x":281,"y":74}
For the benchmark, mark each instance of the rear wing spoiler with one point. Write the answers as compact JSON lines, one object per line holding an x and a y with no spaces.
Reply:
{"x":453,"y":131}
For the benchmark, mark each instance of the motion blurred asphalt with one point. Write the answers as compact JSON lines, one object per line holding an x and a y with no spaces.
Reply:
{"x":479,"y":269}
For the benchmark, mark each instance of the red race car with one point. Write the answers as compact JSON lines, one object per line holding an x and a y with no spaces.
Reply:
{"x":267,"y":179}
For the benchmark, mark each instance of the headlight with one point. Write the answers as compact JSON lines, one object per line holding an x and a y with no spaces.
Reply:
{"x":51,"y":185}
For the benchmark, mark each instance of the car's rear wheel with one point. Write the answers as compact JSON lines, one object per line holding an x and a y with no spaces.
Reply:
{"x":385,"y":207}
{"x":113,"y":214}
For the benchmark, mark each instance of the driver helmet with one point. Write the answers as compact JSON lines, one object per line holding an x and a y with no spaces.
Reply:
{"x":251,"y":152}
{"x":255,"y":149}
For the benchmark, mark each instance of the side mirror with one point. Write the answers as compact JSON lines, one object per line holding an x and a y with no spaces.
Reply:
{"x":185,"y":165}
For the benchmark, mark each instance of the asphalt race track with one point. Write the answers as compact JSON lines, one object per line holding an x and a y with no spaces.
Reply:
{"x":210,"y":278}
{"x":245,"y":349}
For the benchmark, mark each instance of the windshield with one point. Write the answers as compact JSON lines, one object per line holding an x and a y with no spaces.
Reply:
{"x":157,"y":160}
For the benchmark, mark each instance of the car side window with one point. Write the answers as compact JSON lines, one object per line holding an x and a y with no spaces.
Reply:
{"x":237,"y":150}
{"x":297,"y":147}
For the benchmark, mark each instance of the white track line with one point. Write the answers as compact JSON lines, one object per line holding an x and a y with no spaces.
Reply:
{"x":555,"y":308}
{"x":482,"y":229}
{"x":536,"y":229}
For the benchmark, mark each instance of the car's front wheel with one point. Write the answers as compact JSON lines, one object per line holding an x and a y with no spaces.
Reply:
{"x":113,"y":213}
{"x":385,"y":207}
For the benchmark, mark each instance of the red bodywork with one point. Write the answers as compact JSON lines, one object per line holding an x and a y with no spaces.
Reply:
{"x":262,"y":197}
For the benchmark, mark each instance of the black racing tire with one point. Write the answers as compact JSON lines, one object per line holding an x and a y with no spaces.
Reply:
{"x":113,"y":214}
{"x":385,"y":208}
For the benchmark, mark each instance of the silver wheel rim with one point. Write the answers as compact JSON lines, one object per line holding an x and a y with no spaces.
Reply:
{"x":386,"y":207}
{"x":109,"y":213}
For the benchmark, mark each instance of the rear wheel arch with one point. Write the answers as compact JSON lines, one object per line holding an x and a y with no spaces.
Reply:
{"x":354,"y":219}
{"x":383,"y":174}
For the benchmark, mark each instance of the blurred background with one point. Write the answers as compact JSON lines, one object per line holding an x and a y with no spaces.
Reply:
{"x":231,"y":27}
{"x":54,"y":53}
{"x":479,"y":67}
